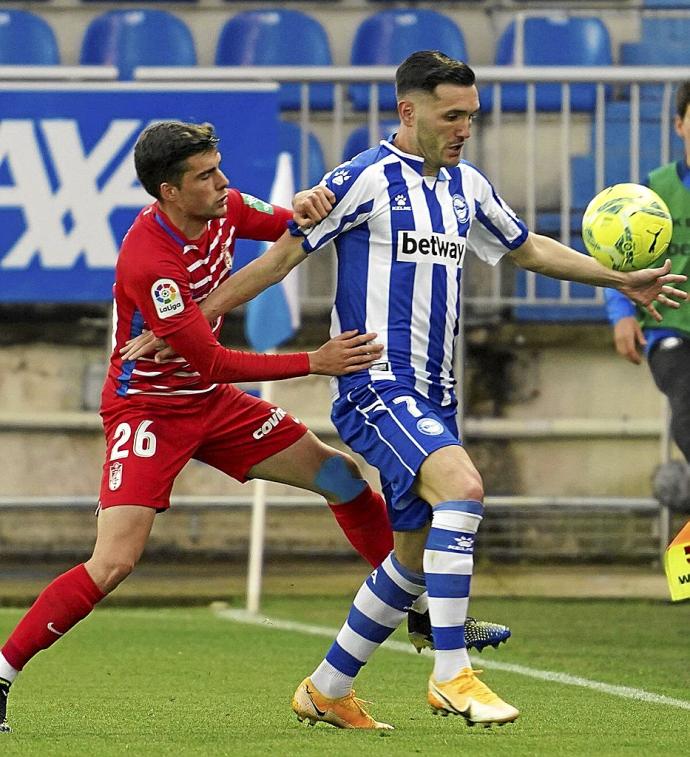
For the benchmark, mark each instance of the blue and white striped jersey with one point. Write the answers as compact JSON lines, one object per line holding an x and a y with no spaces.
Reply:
{"x":401,"y":239}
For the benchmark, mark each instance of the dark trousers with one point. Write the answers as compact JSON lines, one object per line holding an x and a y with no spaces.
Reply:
{"x":669,"y":363}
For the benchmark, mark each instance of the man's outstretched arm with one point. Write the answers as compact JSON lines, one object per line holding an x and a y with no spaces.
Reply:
{"x":547,"y":256}
{"x":270,"y":268}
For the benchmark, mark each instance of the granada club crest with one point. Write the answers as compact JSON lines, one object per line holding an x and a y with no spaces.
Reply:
{"x":115,"y":476}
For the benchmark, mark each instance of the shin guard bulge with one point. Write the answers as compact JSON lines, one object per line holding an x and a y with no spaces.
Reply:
{"x":59,"y":607}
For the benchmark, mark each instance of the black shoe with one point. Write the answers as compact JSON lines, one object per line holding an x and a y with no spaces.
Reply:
{"x":478,"y":633}
{"x":4,"y":693}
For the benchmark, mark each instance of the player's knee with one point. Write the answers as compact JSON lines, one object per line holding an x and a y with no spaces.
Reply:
{"x":467,"y":486}
{"x":340,"y":478}
{"x":474,"y":488}
{"x":108,"y":573}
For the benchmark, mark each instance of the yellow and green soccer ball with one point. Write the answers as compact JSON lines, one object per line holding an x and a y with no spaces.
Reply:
{"x":626,"y":227}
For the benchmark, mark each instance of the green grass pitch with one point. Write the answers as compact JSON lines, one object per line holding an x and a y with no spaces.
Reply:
{"x":183,"y":681}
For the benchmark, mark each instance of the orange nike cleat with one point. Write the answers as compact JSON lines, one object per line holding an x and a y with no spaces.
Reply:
{"x":311,"y":705}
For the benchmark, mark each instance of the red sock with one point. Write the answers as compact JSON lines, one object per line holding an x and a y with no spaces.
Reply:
{"x":61,"y":605}
{"x":364,"y":521}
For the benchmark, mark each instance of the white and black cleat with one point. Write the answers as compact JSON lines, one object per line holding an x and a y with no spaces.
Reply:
{"x":478,"y":633}
{"x":4,"y":694}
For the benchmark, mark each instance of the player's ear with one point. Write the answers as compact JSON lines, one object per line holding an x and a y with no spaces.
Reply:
{"x":678,"y":125}
{"x":168,"y":192}
{"x":406,"y":111}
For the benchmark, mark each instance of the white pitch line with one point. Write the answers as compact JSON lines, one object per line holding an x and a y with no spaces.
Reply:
{"x":627,"y":692}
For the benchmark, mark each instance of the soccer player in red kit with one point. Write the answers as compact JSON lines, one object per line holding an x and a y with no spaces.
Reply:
{"x":158,"y":416}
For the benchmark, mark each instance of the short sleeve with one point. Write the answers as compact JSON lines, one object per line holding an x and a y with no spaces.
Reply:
{"x":496,"y":229}
{"x":354,"y":204}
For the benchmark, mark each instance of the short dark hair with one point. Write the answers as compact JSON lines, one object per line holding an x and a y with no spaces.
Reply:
{"x":426,"y":69}
{"x":683,"y":98}
{"x":162,"y":149}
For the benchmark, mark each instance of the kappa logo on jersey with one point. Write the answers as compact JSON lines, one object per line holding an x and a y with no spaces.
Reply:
{"x":400,"y":202}
{"x":340,"y":177}
{"x":115,"y":476}
{"x":430,"y":426}
{"x":267,"y":426}
{"x":462,"y":212}
{"x":66,"y":194}
{"x":462,"y":544}
{"x":256,"y":204}
{"x":166,"y":297}
{"x":418,"y":247}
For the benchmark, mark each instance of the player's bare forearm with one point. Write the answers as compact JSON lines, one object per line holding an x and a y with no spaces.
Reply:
{"x":267,"y":269}
{"x":551,"y":258}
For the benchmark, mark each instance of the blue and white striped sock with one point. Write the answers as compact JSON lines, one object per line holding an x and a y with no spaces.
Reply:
{"x":448,"y":566}
{"x":378,"y":609}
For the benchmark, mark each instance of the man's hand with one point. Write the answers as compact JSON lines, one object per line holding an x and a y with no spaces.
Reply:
{"x":146,"y":344}
{"x":348,"y":352}
{"x":312,"y":205}
{"x":654,"y":284}
{"x":628,"y":338}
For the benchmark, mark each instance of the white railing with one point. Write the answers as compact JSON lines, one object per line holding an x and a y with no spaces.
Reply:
{"x":492,"y":148}
{"x":494,"y":292}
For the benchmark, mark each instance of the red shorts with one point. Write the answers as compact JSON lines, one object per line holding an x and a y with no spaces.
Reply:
{"x":149,"y":441}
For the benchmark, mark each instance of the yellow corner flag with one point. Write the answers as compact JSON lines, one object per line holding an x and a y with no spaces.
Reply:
{"x":677,"y":564}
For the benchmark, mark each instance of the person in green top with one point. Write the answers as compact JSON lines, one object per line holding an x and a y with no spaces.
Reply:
{"x":666,"y":344}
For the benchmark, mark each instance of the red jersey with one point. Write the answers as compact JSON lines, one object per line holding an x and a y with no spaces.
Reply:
{"x":160,"y":278}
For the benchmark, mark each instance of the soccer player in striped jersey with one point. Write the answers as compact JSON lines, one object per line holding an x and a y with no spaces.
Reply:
{"x":405,"y":213}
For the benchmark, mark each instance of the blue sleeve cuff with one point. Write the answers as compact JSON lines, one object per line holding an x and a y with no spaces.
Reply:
{"x":618,"y":306}
{"x":294,"y":229}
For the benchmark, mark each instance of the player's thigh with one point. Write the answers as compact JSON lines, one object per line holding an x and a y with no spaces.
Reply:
{"x":147,"y":445}
{"x":245,"y":431}
{"x":313,"y":465}
{"x":123,"y":532}
{"x":448,"y":474}
{"x":396,"y":430}
{"x":669,"y":363}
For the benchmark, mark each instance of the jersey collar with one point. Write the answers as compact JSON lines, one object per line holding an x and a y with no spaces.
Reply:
{"x":414,"y":161}
{"x":172,"y":231}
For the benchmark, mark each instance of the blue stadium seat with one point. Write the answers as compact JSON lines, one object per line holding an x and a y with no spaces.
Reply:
{"x":358,"y":141}
{"x":388,"y":37}
{"x":290,"y":140}
{"x":131,"y":38}
{"x":278,"y":37}
{"x":26,"y":39}
{"x":616,"y":160}
{"x":553,"y":41}
{"x":663,"y":42}
{"x":665,"y":30}
{"x":667,"y":4}
{"x":648,"y":53}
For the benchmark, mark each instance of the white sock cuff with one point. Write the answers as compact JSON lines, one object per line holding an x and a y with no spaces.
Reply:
{"x":330,"y":681}
{"x":6,"y":670}
{"x":454,"y":520}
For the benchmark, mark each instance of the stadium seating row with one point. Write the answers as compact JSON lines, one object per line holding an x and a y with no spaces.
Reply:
{"x":140,"y":37}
